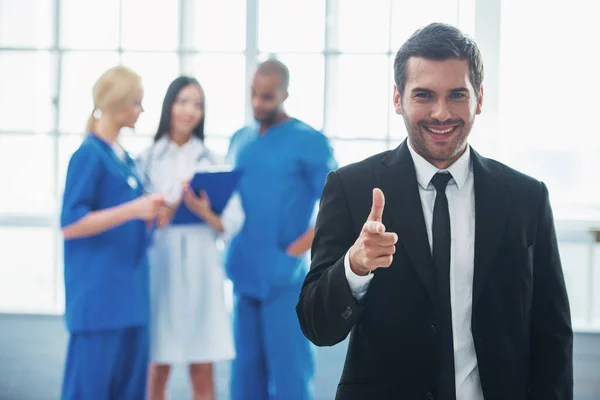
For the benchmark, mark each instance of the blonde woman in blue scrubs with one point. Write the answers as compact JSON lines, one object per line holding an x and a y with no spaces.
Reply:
{"x":105,"y":218}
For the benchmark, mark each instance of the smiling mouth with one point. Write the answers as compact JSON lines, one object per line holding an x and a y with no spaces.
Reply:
{"x":441,"y":131}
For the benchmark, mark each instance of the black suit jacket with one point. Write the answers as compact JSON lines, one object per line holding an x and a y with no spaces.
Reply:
{"x":521,"y":322}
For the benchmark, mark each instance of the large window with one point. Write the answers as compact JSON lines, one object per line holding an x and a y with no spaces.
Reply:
{"x":340,"y":55}
{"x":51,"y":53}
{"x":549,"y":97}
{"x":541,"y":95}
{"x":549,"y":85}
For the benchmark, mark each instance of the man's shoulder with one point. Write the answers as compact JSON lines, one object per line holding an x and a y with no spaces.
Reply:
{"x":300,"y":125}
{"x":241,"y":138}
{"x":519,"y":181}
{"x":243,"y":131}
{"x":508,"y":172}
{"x":305,"y":130}
{"x":362,"y":168}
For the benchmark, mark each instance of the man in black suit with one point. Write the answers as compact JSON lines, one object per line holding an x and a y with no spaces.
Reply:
{"x":453,"y":287}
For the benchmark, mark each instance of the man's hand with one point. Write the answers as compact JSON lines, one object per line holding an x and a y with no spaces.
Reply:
{"x":375,"y":247}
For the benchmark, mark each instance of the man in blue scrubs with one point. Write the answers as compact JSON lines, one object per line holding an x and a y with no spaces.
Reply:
{"x":285,"y":163}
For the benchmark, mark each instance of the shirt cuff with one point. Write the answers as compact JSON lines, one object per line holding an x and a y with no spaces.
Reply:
{"x":358,"y":284}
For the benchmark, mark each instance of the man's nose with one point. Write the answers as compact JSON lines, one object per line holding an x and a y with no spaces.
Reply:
{"x":441,"y":111}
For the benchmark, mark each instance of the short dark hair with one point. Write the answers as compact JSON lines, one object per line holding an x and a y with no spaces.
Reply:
{"x":438,"y":41}
{"x":164,"y":125}
{"x":274,"y":66}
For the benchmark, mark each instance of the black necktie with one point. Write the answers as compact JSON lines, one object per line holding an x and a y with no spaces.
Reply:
{"x":441,"y":261}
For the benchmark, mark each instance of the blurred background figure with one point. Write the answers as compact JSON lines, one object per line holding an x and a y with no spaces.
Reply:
{"x":103,"y":220}
{"x":190,"y":324}
{"x":285,"y":163}
{"x":53,"y":51}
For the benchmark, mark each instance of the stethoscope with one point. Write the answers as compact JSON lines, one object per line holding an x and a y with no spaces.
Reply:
{"x":126,"y":165}
{"x":127,"y":169}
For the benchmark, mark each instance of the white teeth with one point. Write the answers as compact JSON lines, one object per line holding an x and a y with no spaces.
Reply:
{"x":440,"y":132}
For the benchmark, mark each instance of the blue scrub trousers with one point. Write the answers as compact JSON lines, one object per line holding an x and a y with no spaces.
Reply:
{"x":107,"y":365}
{"x":274,"y":360}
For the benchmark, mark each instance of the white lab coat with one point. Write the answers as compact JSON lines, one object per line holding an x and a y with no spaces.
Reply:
{"x":189,"y":322}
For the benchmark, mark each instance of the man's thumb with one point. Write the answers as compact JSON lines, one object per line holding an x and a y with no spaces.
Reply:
{"x":377,"y":207}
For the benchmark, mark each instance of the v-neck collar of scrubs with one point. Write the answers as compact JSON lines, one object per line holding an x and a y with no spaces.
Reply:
{"x":272,"y":128}
{"x":125,"y":165}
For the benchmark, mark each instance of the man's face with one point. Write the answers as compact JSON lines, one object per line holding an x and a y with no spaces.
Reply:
{"x":438,"y":105}
{"x":267,"y":97}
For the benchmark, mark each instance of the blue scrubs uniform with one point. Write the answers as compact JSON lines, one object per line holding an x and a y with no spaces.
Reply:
{"x":106,"y":281}
{"x":284,"y":171}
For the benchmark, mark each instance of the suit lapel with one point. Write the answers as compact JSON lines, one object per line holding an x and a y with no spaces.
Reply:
{"x":404,"y":213}
{"x":492,"y":196}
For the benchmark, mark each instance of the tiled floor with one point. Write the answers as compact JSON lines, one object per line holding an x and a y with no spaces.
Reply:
{"x":32,"y":352}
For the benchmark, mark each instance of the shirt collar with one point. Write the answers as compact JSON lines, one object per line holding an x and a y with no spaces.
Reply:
{"x":459,"y":170}
{"x":165,"y":144}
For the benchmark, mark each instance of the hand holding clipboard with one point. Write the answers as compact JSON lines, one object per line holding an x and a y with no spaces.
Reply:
{"x":199,"y":204}
{"x":214,"y":190}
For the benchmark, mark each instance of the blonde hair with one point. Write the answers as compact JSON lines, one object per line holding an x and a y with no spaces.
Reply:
{"x":112,"y":91}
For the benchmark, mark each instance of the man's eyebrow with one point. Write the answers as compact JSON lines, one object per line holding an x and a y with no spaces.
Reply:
{"x":460,"y":90}
{"x":421,"y":90}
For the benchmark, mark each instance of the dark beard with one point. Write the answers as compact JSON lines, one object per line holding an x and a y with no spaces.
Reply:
{"x":271,"y":118}
{"x":417,"y":134}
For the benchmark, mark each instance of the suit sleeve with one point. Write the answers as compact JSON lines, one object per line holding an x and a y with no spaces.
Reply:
{"x":552,"y":334}
{"x":327,"y":310}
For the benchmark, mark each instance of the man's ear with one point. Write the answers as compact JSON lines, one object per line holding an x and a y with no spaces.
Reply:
{"x":397,"y":101}
{"x":479,"y":100}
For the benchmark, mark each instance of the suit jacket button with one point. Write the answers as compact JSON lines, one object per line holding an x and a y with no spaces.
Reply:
{"x":347,"y":313}
{"x":428,"y":394}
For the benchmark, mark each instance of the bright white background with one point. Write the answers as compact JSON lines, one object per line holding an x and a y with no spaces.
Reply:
{"x":542,"y":84}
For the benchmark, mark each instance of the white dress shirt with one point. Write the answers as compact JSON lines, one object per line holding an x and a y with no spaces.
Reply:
{"x":461,"y":204}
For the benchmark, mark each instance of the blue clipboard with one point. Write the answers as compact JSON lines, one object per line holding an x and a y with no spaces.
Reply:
{"x":219,"y":186}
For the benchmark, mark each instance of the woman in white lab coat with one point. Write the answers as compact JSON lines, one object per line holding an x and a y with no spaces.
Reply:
{"x":189,"y":322}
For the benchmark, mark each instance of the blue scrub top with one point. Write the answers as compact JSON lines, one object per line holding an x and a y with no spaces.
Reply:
{"x":106,"y":275}
{"x":284,"y":171}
